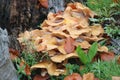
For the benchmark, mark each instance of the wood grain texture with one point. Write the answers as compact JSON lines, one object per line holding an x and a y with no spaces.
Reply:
{"x":7,"y":70}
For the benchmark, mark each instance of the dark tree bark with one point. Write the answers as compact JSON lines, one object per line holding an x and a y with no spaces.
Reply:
{"x":4,"y":13}
{"x":25,"y":14}
{"x":20,"y":15}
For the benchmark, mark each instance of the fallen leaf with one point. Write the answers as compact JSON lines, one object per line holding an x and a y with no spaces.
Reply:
{"x":44,"y":3}
{"x":107,"y":56}
{"x":22,"y":63}
{"x":69,"y":47}
{"x":13,"y":53}
{"x":73,"y":76}
{"x":26,"y":67}
{"x":27,"y":70}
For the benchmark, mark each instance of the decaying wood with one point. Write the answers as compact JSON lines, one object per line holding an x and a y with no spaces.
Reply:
{"x":24,"y":15}
{"x":7,"y":70}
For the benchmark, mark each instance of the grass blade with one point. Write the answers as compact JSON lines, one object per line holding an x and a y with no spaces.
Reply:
{"x":92,"y":51}
{"x":82,"y":55}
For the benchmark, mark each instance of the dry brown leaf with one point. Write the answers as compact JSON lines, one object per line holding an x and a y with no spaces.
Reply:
{"x":107,"y":56}
{"x":61,"y":57}
{"x":88,"y":76}
{"x":27,"y":70}
{"x":13,"y":53}
{"x":22,"y":63}
{"x":27,"y":67}
{"x":69,"y":47}
{"x":73,"y":76}
{"x":43,"y":3}
{"x":50,"y":67}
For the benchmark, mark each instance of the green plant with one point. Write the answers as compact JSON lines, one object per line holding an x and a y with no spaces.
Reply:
{"x":107,"y":11}
{"x":105,"y":8}
{"x":112,"y":31}
{"x":87,"y":57}
{"x":30,"y":58}
{"x":104,"y":70}
{"x":71,"y":68}
{"x":21,"y":70}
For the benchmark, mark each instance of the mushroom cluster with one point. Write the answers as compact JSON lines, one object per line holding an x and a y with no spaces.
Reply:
{"x":60,"y":35}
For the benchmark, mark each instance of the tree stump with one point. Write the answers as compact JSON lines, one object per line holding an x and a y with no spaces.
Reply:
{"x":7,"y":70}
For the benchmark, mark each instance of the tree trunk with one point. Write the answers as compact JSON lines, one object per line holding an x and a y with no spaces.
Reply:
{"x":56,"y":5}
{"x":20,"y":15}
{"x":24,"y":15}
{"x":7,"y":71}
